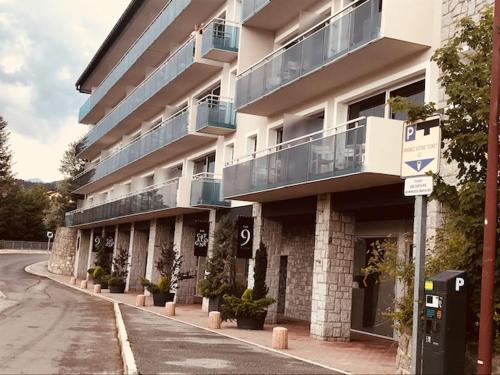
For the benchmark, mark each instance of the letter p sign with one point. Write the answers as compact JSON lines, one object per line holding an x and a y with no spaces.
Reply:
{"x":410,"y":133}
{"x":459,"y":282}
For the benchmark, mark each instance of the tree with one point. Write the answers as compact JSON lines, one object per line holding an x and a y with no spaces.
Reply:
{"x":63,"y":201}
{"x":260,"y":288}
{"x":5,"y":159}
{"x":465,"y":64}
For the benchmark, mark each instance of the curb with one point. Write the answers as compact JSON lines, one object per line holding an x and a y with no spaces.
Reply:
{"x":29,"y":270}
{"x":26,"y":252}
{"x":129,"y":365}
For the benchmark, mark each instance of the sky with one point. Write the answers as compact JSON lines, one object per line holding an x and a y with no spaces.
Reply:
{"x":44,"y":47}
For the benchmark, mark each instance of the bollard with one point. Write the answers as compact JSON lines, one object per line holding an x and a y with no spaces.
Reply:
{"x":170,"y":308}
{"x":280,"y":338}
{"x":140,"y":300}
{"x":83,"y":284}
{"x":72,"y":281}
{"x":97,"y":288}
{"x":214,"y":320}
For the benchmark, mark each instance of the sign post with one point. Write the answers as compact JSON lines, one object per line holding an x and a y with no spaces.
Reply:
{"x":420,"y":155}
{"x":50,"y":235}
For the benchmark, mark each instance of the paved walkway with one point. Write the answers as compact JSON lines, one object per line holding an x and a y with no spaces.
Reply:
{"x":46,"y":328}
{"x":362,"y":355}
{"x":165,"y":346}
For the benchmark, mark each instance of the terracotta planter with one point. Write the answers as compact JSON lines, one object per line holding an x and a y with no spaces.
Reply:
{"x":120,"y":288}
{"x":160,"y":299}
{"x":252,"y":323}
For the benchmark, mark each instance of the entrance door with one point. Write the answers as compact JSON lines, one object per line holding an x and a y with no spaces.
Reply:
{"x":282,"y":284}
{"x":373,"y":296}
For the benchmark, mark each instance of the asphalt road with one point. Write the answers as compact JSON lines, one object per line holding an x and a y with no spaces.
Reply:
{"x":165,"y":346}
{"x":46,"y":328}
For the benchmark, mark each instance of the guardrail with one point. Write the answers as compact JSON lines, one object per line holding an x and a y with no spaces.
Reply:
{"x":24,"y":245}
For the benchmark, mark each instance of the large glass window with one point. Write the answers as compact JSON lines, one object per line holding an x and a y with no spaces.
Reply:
{"x":205,"y":164}
{"x":373,"y":106}
{"x":415,"y":93}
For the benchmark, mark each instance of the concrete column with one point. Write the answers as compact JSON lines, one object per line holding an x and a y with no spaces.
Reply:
{"x":82,"y":254}
{"x":137,"y":255}
{"x":160,"y":234}
{"x":332,"y":278}
{"x":269,"y":232}
{"x":212,"y":222}
{"x":184,"y":245}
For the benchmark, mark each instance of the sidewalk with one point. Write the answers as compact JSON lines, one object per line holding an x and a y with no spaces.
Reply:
{"x":363,"y":354}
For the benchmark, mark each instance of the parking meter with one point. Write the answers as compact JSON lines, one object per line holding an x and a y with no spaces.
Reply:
{"x":444,"y":323}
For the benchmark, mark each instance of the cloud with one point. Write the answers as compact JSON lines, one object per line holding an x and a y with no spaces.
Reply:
{"x":44,"y":46}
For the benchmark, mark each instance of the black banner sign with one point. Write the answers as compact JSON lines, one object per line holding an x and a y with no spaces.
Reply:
{"x":97,"y":242}
{"x":245,"y":237}
{"x":109,"y":242}
{"x":201,"y":239}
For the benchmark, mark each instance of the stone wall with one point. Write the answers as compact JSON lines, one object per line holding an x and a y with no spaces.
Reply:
{"x":333,"y":267}
{"x":184,"y":244}
{"x":62,"y":257}
{"x":138,"y":252}
{"x":298,"y":244}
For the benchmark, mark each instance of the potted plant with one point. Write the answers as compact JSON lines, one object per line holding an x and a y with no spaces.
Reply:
{"x":90,"y":273}
{"x":250,"y":310}
{"x":117,"y":280}
{"x":220,"y":266}
{"x":100,"y":277}
{"x":169,"y":267}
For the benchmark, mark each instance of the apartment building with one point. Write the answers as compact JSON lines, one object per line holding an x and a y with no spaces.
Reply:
{"x":273,"y":112}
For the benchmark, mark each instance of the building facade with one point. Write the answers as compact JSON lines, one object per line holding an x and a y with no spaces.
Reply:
{"x":273,"y":112}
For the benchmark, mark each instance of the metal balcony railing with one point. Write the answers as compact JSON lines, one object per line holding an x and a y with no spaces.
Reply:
{"x":162,"y":76}
{"x":250,"y":7}
{"x":220,"y":34}
{"x":344,"y":32}
{"x":166,"y":16}
{"x":153,"y":198}
{"x":170,"y":130}
{"x":216,"y":112}
{"x":206,"y":191}
{"x":329,"y":153}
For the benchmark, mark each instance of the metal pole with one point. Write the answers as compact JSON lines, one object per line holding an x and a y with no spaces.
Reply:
{"x":490,"y":214}
{"x":419,"y":235}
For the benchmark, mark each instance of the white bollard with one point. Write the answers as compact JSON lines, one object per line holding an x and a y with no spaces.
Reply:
{"x":280,"y":338}
{"x":97,"y":288}
{"x":214,"y":320}
{"x":140,"y":300}
{"x":72,"y":281}
{"x":170,"y":308}
{"x":83,"y":284}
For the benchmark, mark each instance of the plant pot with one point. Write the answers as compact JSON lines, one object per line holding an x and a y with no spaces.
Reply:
{"x":251,"y":323}
{"x":160,"y":299}
{"x":214,"y":303}
{"x":102,"y":283}
{"x":119,"y":288}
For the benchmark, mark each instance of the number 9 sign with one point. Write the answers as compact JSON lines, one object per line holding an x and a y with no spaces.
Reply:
{"x":245,"y":237}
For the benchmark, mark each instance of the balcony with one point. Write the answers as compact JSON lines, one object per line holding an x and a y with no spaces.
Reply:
{"x":272,"y":15}
{"x":362,"y":153}
{"x":164,"y":142}
{"x":361,"y":40}
{"x":215,"y":115}
{"x":172,"y":25}
{"x":178,"y":75}
{"x":165,"y":199}
{"x":220,"y":41}
{"x":206,"y":191}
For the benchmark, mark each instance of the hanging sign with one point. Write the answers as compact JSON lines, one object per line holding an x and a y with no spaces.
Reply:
{"x":109,"y":242}
{"x":245,"y":237}
{"x":97,"y":242}
{"x":421,"y":148}
{"x":201,"y":239}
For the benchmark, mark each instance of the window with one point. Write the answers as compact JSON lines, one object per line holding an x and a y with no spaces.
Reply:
{"x":229,"y":153}
{"x":205,"y":164}
{"x":252,"y":144}
{"x":279,"y":136}
{"x":373,"y":106}
{"x":415,"y":93}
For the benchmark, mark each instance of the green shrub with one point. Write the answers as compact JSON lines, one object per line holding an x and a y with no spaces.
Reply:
{"x":247,"y":295}
{"x":245,"y":307}
{"x":115,"y":281}
{"x":90,"y":271}
{"x":98,"y":273}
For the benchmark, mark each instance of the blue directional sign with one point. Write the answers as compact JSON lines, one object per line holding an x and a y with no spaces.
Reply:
{"x":418,"y":165}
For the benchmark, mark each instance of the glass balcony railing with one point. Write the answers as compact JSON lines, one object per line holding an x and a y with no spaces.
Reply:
{"x":214,"y":111}
{"x":167,"y":15}
{"x":250,"y":7}
{"x":206,"y":191}
{"x":220,"y":34}
{"x":154,"y":198}
{"x":167,"y":132}
{"x":162,"y":76}
{"x":326,"y":154}
{"x":344,"y":32}
{"x":84,"y":178}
